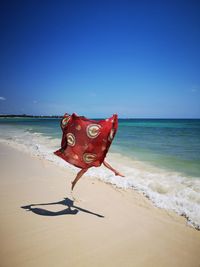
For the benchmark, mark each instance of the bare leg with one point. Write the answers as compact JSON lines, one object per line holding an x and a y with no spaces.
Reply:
{"x":78,"y":176}
{"x":111,"y":168}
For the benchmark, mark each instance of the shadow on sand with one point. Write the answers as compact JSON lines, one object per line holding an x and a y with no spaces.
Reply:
{"x":67,"y":211}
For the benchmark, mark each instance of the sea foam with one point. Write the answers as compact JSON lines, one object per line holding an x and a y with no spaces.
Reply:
{"x":168,"y":190}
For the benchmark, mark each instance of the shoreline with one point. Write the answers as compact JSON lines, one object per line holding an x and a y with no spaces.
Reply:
{"x":39,"y":150}
{"x":61,"y":232}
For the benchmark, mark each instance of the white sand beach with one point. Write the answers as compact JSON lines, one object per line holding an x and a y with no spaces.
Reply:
{"x":40,"y":225}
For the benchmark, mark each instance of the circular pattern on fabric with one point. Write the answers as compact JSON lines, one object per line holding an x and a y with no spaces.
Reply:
{"x":65,"y":121}
{"x":93,"y":130}
{"x":71,"y":139}
{"x":89,"y":157}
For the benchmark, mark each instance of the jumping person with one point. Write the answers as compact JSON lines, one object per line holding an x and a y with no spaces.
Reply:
{"x":85,"y":142}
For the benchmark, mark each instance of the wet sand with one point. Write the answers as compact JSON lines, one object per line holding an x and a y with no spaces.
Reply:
{"x":42,"y":225}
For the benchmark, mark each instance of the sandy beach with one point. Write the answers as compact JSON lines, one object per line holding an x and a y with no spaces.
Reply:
{"x":41,"y":224}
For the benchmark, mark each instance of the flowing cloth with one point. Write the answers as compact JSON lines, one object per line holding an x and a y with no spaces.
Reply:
{"x":85,"y":142}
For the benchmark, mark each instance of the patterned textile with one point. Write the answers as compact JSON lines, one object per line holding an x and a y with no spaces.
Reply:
{"x":85,"y":142}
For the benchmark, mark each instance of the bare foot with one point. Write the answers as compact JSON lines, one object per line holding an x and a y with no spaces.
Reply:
{"x":119,"y":174}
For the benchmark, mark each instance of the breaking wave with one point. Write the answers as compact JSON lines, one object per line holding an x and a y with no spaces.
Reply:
{"x":168,"y":190}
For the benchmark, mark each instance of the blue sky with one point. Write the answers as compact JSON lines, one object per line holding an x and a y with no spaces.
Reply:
{"x":135,"y":58}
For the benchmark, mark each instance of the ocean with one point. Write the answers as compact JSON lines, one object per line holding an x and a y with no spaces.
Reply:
{"x":159,"y":157}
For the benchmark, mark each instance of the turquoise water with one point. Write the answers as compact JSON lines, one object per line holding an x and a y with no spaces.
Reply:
{"x":172,"y":144}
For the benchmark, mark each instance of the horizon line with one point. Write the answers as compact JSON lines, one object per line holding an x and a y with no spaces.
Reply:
{"x":122,"y":118}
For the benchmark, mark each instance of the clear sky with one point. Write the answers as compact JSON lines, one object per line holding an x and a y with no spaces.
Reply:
{"x":135,"y":58}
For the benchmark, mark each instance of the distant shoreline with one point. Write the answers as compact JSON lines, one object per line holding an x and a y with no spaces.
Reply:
{"x":60,"y":116}
{"x":29,"y":116}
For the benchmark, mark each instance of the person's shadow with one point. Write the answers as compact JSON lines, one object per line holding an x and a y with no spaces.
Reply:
{"x":67,"y":211}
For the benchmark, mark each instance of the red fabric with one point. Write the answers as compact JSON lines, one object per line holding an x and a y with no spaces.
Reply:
{"x":85,"y":142}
